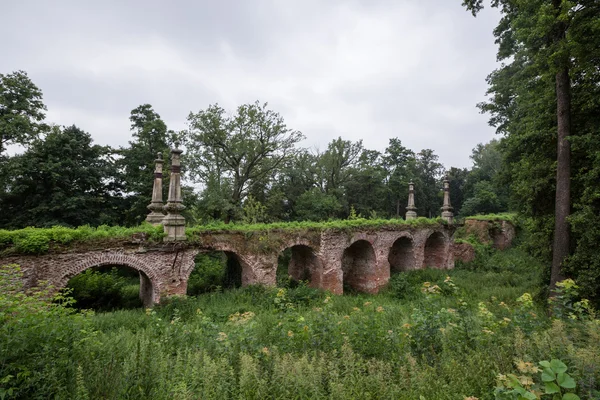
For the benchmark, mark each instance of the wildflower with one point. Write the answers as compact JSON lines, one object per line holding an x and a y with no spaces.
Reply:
{"x":487,"y":331}
{"x":367,"y":303}
{"x":317,"y":309}
{"x":451,"y":310}
{"x":290,"y":334}
{"x":426,"y":284}
{"x":326,"y":299}
{"x":390,"y":332}
{"x":222,"y":337}
{"x":406,"y":326}
{"x":503,"y":304}
{"x":355,"y":309}
{"x":379,"y":309}
{"x":471,"y":398}
{"x":346,"y":317}
{"x":507,"y":320}
{"x":448,"y":279}
{"x":265,"y":350}
{"x":525,"y":380}
{"x":305,"y":328}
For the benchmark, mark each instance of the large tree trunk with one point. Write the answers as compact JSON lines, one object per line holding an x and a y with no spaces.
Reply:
{"x":560,"y":248}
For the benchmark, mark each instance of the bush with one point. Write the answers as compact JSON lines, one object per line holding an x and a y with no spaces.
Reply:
{"x":209,"y":273}
{"x":105,"y":290}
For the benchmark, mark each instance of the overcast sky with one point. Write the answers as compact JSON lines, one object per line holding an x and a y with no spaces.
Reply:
{"x":362,"y":69}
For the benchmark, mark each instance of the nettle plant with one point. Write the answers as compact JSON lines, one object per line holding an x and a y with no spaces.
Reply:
{"x":554,"y":382}
{"x":565,"y":304}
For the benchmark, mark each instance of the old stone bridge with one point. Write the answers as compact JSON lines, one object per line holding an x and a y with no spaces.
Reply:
{"x":330,"y":259}
{"x":359,"y":258}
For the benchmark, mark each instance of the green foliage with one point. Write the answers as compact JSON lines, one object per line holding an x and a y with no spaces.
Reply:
{"x":21,"y":110}
{"x":542,"y":43}
{"x":238,"y":150}
{"x":208,"y":274}
{"x":448,"y":338}
{"x":555,"y":382}
{"x":38,"y":240}
{"x":105,"y":290}
{"x":315,"y":205}
{"x":136,"y":166}
{"x":254,"y":211}
{"x":63,"y":179}
{"x":510,"y":217}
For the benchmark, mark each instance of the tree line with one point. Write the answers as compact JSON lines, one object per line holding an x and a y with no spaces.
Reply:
{"x":243,"y":165}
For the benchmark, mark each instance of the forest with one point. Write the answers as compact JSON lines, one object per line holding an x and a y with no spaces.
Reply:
{"x":514,"y":324}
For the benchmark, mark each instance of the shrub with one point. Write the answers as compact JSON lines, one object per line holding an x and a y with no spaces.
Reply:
{"x":208,"y":274}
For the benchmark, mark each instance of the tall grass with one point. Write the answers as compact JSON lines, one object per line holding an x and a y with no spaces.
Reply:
{"x":432,"y":335}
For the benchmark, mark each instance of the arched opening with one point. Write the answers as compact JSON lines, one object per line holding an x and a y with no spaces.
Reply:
{"x":299,"y":263}
{"x":214,"y":271}
{"x":358,"y":267}
{"x":401,"y":257}
{"x":111,"y":287}
{"x":435,"y":251}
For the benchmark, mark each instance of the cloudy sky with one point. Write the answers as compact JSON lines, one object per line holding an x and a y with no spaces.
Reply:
{"x":359,"y":69}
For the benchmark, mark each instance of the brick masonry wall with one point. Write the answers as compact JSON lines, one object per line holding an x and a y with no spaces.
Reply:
{"x":165,"y":269}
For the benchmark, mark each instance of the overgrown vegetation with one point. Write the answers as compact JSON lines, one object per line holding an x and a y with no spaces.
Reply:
{"x":432,"y":334}
{"x":510,"y":217}
{"x":39,"y":240}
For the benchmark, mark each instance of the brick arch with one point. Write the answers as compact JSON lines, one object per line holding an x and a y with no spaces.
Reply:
{"x":305,"y":262}
{"x":402,"y":253}
{"x":359,"y":266}
{"x":232,"y":253}
{"x":107,"y":259}
{"x":99,"y":260}
{"x":436,"y":249}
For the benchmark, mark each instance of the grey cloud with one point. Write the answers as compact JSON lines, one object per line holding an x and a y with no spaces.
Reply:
{"x":358,"y":69}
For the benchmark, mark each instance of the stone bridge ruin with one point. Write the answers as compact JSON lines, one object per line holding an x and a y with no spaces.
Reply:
{"x":361,"y":259}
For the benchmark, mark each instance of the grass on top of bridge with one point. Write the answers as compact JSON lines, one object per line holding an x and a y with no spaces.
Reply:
{"x":510,"y":217}
{"x":39,"y":240}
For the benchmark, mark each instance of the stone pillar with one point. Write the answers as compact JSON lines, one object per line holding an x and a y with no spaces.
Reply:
{"x":173,"y":222}
{"x":447,"y":208}
{"x":156,"y":206}
{"x":411,"y":210}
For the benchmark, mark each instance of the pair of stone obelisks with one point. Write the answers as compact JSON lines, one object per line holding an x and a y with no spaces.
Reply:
{"x":447,"y":214}
{"x":173,"y":222}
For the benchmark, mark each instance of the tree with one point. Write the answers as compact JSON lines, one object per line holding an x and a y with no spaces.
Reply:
{"x":337,"y":163}
{"x":366,"y":191}
{"x":63,"y":179}
{"x":484,"y":189}
{"x":458,"y":178}
{"x":428,"y":176}
{"x":400,"y":163}
{"x":150,"y":136}
{"x":245,"y":147}
{"x":538,"y":40}
{"x":316,"y":205}
{"x":21,"y":110}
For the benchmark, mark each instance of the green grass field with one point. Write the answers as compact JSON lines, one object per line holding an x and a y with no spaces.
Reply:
{"x":431,"y":335}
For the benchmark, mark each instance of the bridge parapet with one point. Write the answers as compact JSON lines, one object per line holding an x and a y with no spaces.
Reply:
{"x":360,"y":259}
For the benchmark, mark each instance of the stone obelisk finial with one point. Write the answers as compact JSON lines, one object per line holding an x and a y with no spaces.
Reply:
{"x":447,"y":213}
{"x":156,"y":206}
{"x":411,"y":210}
{"x":174,"y":222}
